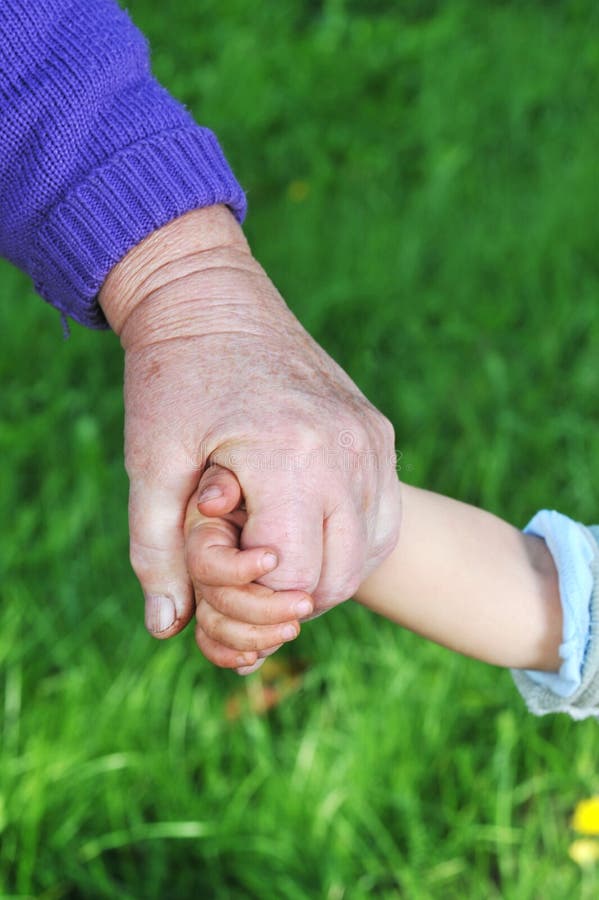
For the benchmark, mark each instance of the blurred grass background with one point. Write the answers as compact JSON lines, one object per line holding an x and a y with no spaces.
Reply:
{"x":422,"y":179}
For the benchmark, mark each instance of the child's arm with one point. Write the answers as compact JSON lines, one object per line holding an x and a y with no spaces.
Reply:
{"x":466,"y":579}
{"x":459,"y":576}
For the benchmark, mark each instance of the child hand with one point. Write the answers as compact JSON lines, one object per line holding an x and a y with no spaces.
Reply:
{"x":239,"y":622}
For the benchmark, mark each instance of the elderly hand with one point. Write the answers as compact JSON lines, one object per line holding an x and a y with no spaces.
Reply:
{"x":217,"y":369}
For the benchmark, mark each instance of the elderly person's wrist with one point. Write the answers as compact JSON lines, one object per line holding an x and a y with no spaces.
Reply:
{"x":204,"y":240}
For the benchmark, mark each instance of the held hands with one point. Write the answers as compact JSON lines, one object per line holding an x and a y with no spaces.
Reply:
{"x":218,"y":370}
{"x":238,"y":621}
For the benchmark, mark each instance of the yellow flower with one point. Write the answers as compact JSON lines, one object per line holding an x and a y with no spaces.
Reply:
{"x":297,"y":191}
{"x":586,"y":816}
{"x":584,"y":851}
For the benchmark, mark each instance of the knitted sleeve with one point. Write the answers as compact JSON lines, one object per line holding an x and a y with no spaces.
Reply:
{"x":94,"y":153}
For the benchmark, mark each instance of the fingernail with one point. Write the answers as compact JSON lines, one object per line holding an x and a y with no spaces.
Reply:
{"x":160,"y":613}
{"x":303,"y":608}
{"x":288,"y":632}
{"x":210,"y":493}
{"x":269,"y":561}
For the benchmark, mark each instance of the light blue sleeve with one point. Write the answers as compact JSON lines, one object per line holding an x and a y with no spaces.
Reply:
{"x":572,"y":554}
{"x":575,"y":550}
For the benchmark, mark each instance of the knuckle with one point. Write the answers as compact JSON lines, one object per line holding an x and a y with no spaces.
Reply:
{"x":239,"y":568}
{"x":140,"y":564}
{"x":291,"y":576}
{"x":211,"y":623}
{"x":145,"y":463}
{"x":387,"y":432}
{"x":383,"y":546}
{"x":386,"y":425}
{"x":339,"y":591}
{"x":222,"y":630}
{"x":299,"y":579}
{"x":351,"y":585}
{"x":358,"y":434}
{"x":201,"y":615}
{"x":301,"y":435}
{"x":134,"y":459}
{"x":306,"y":584}
{"x":196,"y":559}
{"x":252,"y":638}
{"x":220,"y":600}
{"x":332,"y":597}
{"x":270,"y":613}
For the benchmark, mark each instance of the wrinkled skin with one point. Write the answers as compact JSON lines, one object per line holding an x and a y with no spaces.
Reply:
{"x":218,"y":370}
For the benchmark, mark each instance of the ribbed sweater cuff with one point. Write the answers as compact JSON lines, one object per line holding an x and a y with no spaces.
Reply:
{"x":141,"y":188}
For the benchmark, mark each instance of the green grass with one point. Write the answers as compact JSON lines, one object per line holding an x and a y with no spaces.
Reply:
{"x":422,"y":178}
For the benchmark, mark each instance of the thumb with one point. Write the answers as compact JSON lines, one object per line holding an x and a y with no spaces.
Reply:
{"x":219,"y":492}
{"x":158,"y":557}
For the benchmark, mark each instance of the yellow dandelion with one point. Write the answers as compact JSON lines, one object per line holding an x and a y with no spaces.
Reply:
{"x":584,"y":851}
{"x":297,"y":191}
{"x":586,"y":816}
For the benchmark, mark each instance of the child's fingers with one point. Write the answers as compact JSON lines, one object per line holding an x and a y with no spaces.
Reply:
{"x":220,"y":655}
{"x":213,"y":557}
{"x":247,"y":670}
{"x":240,"y":635}
{"x":262,"y":655}
{"x":256,"y":604}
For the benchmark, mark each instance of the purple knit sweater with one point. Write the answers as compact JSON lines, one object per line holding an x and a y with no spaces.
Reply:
{"x":94,"y":153}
